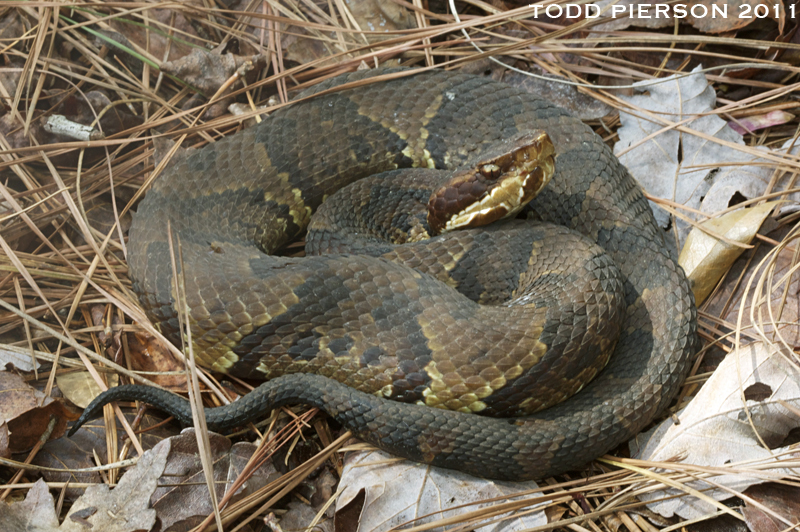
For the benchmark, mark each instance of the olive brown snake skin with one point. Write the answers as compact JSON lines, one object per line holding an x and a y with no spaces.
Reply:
{"x":257,"y":316}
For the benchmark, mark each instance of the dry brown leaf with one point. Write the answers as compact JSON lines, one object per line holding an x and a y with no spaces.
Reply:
{"x":79,"y":451}
{"x":739,"y":13}
{"x":381,"y":16}
{"x":396,"y":491}
{"x":185,"y":501}
{"x":319,"y":491}
{"x":299,"y":515}
{"x":764,"y":501}
{"x":728,"y":302}
{"x":157,"y":43}
{"x":150,"y":354}
{"x":28,"y":412}
{"x":706,"y":259}
{"x":125,"y":508}
{"x":35,"y":514}
{"x":622,"y":19}
{"x":303,"y":46}
{"x":739,"y":419}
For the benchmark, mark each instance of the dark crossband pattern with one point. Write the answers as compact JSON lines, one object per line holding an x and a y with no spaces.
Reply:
{"x":346,"y":331}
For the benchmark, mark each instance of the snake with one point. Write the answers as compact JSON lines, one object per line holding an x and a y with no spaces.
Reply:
{"x":376,"y":345}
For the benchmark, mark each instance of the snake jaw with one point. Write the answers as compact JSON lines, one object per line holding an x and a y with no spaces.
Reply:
{"x":496,"y":186}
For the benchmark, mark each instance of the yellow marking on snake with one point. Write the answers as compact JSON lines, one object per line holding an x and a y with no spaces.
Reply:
{"x":415,"y":149}
{"x":301,"y":214}
{"x":261,"y":157}
{"x":452,"y":262}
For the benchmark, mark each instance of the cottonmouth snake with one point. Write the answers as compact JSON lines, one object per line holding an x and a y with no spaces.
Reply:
{"x":262,"y":184}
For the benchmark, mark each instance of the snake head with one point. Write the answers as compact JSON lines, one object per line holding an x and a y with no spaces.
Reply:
{"x":496,"y":185}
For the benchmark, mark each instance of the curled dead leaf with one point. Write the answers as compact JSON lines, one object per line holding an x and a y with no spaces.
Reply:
{"x":28,"y":412}
{"x":148,"y":353}
{"x":756,"y":122}
{"x":706,"y":258}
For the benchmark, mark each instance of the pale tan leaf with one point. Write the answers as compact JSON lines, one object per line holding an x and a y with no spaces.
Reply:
{"x":398,"y":491}
{"x":125,"y":508}
{"x":80,"y":388}
{"x":737,"y":422}
{"x":687,"y":167}
{"x":706,"y":258}
{"x":35,"y":514}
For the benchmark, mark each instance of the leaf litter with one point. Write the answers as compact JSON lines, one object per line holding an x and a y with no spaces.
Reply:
{"x":706,"y":173}
{"x":739,"y":419}
{"x":688,"y":168}
{"x":394,"y":492}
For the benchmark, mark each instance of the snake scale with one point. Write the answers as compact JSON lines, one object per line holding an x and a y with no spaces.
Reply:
{"x":254,"y":315}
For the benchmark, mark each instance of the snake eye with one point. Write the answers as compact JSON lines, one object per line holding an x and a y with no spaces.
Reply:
{"x":490,"y":171}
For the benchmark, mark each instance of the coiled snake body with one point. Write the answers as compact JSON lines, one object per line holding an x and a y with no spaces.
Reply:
{"x":258,"y":316}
